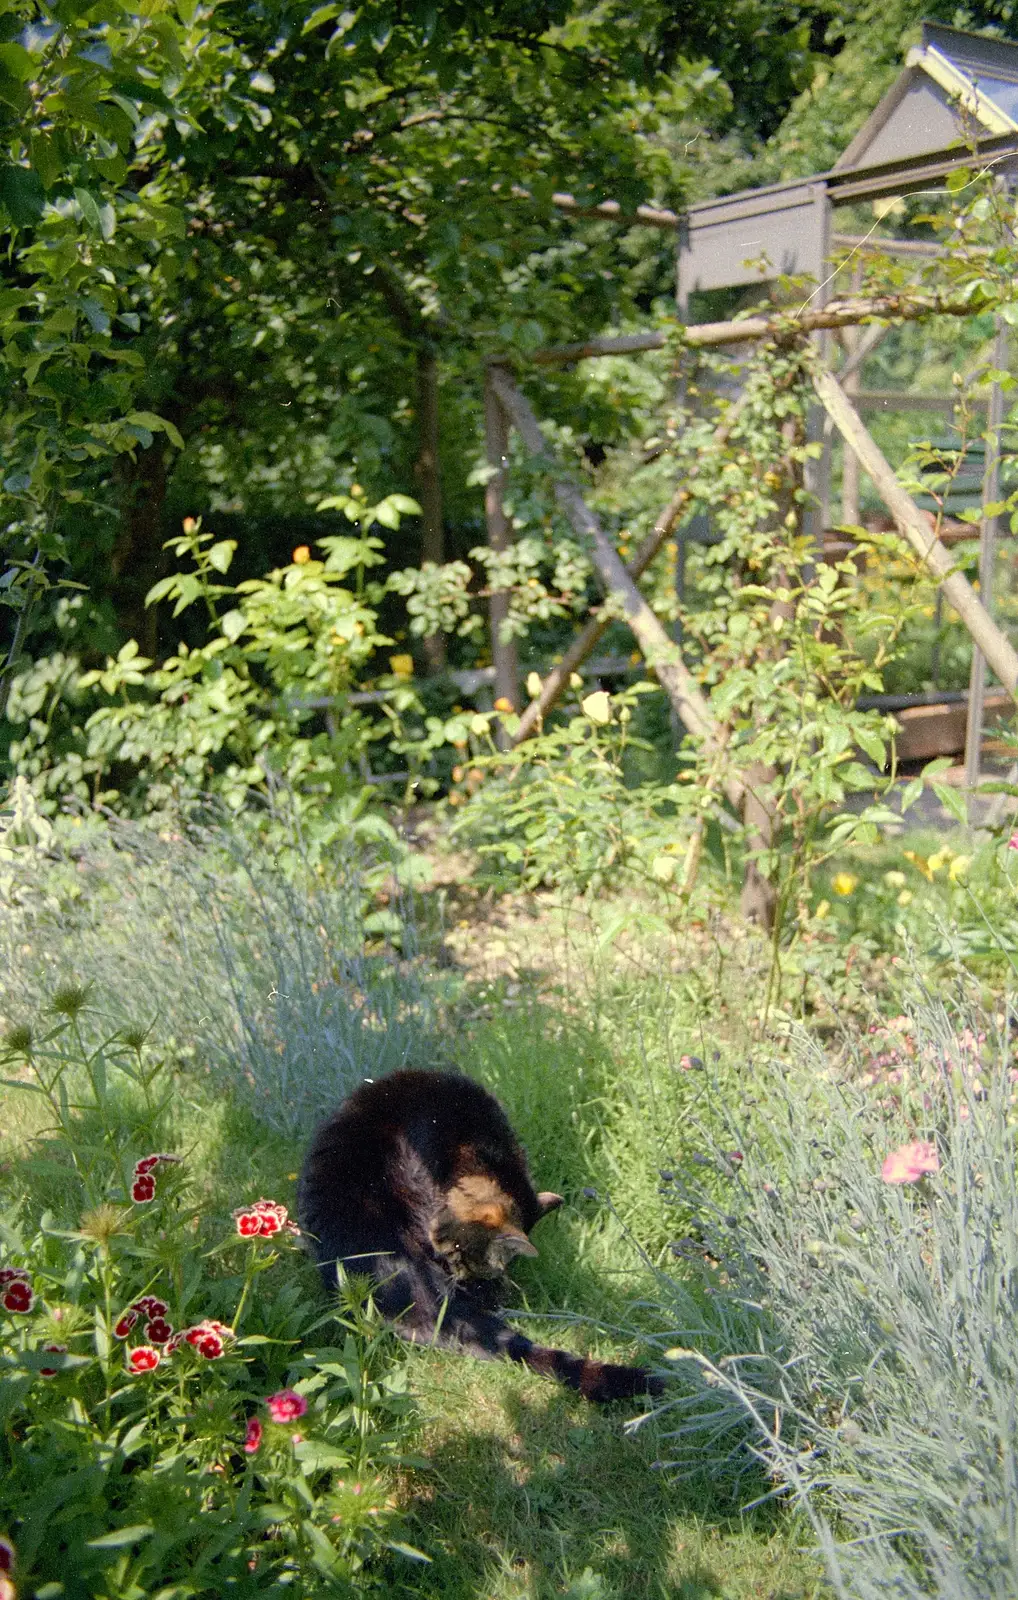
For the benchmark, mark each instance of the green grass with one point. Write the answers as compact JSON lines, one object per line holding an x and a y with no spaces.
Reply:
{"x":528,"y":1493}
{"x":518,"y":1488}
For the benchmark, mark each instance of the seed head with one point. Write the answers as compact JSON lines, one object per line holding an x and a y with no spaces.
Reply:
{"x":101,"y":1224}
{"x":70,"y":999}
{"x":18,"y":1039}
{"x":134,"y":1035}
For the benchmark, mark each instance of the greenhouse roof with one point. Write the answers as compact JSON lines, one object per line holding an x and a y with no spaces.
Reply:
{"x":953,"y":83}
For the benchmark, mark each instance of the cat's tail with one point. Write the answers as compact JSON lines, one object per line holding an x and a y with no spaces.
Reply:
{"x":463,"y":1326}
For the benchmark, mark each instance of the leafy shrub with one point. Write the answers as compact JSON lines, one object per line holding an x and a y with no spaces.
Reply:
{"x":559,"y":809}
{"x":236,"y":715}
{"x":848,"y":1321}
{"x":172,"y":1423}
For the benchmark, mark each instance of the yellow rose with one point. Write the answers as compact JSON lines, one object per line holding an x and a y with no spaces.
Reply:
{"x":597,"y":707}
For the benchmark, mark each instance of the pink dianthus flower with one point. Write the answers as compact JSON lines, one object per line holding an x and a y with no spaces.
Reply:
{"x":286,"y":1406}
{"x":911,"y":1162}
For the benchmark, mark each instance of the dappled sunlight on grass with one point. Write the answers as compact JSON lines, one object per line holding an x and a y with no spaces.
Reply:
{"x":529,"y":1493}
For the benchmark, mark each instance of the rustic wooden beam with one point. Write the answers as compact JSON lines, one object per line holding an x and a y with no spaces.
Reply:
{"x":609,"y":211}
{"x":660,"y":652}
{"x":556,"y":681}
{"x":750,"y":330}
{"x":911,"y":523}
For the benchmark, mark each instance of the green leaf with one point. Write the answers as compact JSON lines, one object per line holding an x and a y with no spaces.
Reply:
{"x":221,"y":554}
{"x":21,"y":195}
{"x":233,"y":625}
{"x":145,"y":94}
{"x":97,"y":315}
{"x":931,"y":768}
{"x":45,"y":155}
{"x":318,"y":16}
{"x":408,"y":1550}
{"x":910,"y":794}
{"x":148,"y":419}
{"x":952,"y":800}
{"x":121,"y":1536}
{"x":89,"y":208}
{"x":160,"y":590}
{"x":873,"y":744}
{"x":16,"y":60}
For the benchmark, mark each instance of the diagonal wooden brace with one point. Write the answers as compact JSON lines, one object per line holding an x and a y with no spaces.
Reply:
{"x":555,"y":681}
{"x":996,"y":647}
{"x":660,"y":652}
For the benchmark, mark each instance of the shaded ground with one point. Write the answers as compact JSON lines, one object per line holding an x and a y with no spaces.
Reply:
{"x":529,"y":1493}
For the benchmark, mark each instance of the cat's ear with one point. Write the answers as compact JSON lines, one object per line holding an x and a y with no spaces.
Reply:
{"x":513,"y":1242}
{"x":548,"y":1201}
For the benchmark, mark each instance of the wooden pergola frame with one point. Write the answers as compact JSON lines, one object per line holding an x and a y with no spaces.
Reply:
{"x":506,"y":407}
{"x":619,"y":580}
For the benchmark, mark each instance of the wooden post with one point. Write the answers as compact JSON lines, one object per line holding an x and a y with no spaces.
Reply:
{"x":987,"y":561}
{"x":851,"y":379}
{"x":427,"y":471}
{"x":996,"y":647}
{"x":759,"y":899}
{"x":496,"y":437}
{"x":661,"y":653}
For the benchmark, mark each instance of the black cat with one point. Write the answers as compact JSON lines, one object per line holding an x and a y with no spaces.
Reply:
{"x":419,"y":1182}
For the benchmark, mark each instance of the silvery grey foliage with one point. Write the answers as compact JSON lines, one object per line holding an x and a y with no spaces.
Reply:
{"x":856,"y":1338}
{"x":246,"y":950}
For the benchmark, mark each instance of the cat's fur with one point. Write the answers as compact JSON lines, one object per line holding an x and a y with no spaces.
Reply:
{"x":418,"y":1181}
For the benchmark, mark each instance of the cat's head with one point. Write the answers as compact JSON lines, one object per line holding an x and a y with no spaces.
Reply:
{"x":479,"y":1230}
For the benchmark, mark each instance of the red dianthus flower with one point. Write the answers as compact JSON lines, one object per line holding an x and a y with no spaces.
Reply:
{"x":143,"y":1358}
{"x":18,"y":1297}
{"x":263,"y":1219}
